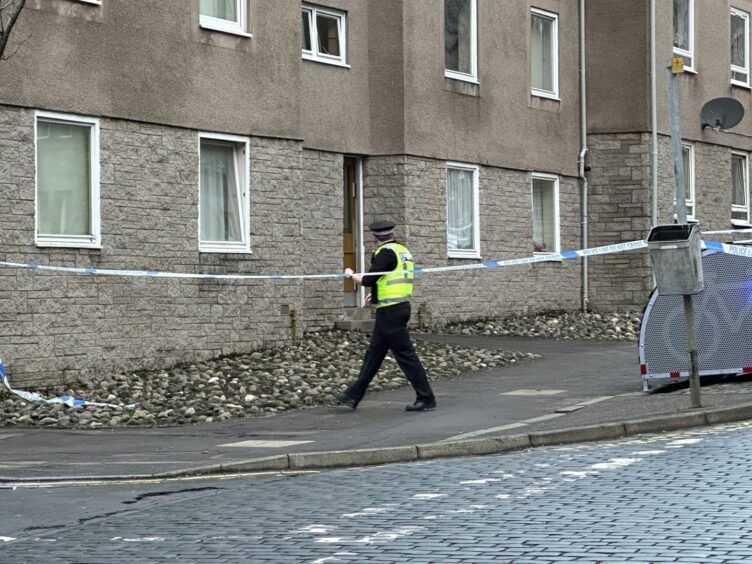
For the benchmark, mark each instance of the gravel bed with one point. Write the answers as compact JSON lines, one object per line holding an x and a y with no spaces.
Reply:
{"x":292,"y":377}
{"x":606,"y":326}
{"x":255,"y":384}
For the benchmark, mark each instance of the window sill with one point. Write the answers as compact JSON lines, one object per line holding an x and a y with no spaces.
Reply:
{"x":461,"y":77}
{"x":740,"y":223}
{"x":741,"y":85}
{"x":212,"y":27}
{"x":546,"y":95}
{"x":217,"y":249}
{"x":463,"y":254}
{"x":70,"y":244}
{"x":334,"y":63}
{"x":97,"y":2}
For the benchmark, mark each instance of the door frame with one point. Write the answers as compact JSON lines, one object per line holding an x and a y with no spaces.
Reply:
{"x":360,"y":299}
{"x":358,"y":234}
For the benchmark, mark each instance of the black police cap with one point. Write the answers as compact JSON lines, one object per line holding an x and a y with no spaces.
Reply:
{"x":382,"y":227}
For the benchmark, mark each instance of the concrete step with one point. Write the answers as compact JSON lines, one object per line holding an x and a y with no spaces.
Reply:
{"x":356,"y":319}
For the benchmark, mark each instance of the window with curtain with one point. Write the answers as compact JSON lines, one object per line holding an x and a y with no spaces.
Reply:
{"x":683,"y":30}
{"x":462,"y":211}
{"x":323,"y":35}
{"x":544,"y":53}
{"x":545,"y":214}
{"x":223,"y":15}
{"x":739,"y":47}
{"x":688,"y":159}
{"x":460,"y":44}
{"x":739,"y":189}
{"x":67,"y":182}
{"x":223,"y":208}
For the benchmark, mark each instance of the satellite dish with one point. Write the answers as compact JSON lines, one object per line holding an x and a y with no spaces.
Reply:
{"x":721,"y":113}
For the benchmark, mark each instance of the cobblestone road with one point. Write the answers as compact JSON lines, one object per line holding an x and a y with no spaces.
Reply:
{"x":680,"y":497}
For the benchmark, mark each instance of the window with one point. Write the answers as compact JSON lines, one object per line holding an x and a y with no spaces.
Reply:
{"x":463,"y":232}
{"x":324,"y":35}
{"x":67,"y":181}
{"x":544,"y":54}
{"x":460,"y":40}
{"x":688,"y":158}
{"x":223,"y":193}
{"x":739,"y":190}
{"x":223,"y":15}
{"x":545,"y":213}
{"x":739,"y":47}
{"x":684,"y":33}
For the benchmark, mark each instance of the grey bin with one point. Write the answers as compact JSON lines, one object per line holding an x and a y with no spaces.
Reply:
{"x":675,"y":251}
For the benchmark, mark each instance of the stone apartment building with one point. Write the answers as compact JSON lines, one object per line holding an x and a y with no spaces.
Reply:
{"x":624,"y":201}
{"x":260,"y":136}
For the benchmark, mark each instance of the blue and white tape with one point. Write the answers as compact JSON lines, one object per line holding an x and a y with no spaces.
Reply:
{"x":65,"y":400}
{"x":565,"y":255}
{"x":728,"y":248}
{"x":619,"y":247}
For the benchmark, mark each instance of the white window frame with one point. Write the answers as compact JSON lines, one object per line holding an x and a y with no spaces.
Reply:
{"x":554,"y":94}
{"x":237,"y":27}
{"x":689,"y":183}
{"x":98,"y":2}
{"x":313,"y":54}
{"x":473,"y":76}
{"x":557,"y":234}
{"x":244,"y":205}
{"x":475,"y":169}
{"x":734,"y":68}
{"x":690,"y":53}
{"x":745,"y":208}
{"x":94,"y":240}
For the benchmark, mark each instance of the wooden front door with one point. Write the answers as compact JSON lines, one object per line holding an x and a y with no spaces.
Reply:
{"x":349,"y":240}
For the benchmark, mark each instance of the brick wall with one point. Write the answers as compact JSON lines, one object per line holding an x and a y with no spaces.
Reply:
{"x":415,"y":191}
{"x":321,"y":204}
{"x":620,"y":207}
{"x":619,"y":210}
{"x":54,"y":327}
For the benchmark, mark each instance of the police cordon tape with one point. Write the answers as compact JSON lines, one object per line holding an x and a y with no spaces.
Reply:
{"x":65,"y":400}
{"x":619,"y":247}
{"x":565,"y":255}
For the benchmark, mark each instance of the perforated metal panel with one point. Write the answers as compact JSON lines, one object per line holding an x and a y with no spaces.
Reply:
{"x":723,"y":314}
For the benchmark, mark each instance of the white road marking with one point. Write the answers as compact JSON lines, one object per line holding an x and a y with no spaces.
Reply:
{"x":484,"y":432}
{"x":543,"y":417}
{"x":263,"y":444}
{"x":531,"y":392}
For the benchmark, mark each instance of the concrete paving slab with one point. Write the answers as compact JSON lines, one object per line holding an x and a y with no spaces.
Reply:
{"x":601,"y":376}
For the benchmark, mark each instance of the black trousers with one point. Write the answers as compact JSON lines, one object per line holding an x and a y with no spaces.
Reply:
{"x":390,"y":333}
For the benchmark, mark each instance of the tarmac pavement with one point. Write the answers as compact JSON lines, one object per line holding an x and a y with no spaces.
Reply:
{"x":577,"y":391}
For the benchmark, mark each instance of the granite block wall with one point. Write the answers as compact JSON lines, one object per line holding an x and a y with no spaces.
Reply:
{"x":55,"y":327}
{"x":620,"y":208}
{"x":412,"y":191}
{"x":619,"y":211}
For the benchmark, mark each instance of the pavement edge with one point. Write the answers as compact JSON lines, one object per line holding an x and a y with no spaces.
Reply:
{"x":412,"y":453}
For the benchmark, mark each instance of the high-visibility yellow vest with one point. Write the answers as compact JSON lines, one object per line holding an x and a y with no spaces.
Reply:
{"x":397,"y":286}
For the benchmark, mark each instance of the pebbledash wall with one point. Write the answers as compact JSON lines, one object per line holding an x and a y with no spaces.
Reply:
{"x":55,"y":327}
{"x":620,"y":207}
{"x":413,"y":191}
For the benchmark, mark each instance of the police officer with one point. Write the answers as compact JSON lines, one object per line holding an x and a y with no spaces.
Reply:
{"x":390,"y":293}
